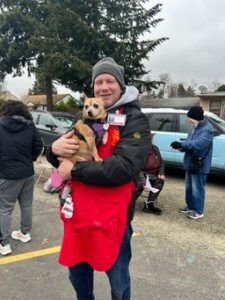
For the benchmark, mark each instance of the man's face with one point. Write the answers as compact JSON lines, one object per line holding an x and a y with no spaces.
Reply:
{"x":108,"y":88}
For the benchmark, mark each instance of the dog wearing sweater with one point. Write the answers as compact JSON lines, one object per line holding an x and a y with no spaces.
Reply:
{"x":91,"y":130}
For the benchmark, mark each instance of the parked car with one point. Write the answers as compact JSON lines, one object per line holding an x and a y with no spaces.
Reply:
{"x":172,"y":125}
{"x":51,"y":125}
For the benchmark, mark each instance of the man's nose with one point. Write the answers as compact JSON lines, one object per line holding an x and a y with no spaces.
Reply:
{"x":104,"y":85}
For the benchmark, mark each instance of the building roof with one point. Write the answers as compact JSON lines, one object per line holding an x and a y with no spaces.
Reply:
{"x":42,"y":99}
{"x":183,"y":103}
{"x":7,"y":95}
{"x":212,"y":94}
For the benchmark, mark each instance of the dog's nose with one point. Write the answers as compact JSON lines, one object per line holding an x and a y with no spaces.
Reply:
{"x":90,"y":114}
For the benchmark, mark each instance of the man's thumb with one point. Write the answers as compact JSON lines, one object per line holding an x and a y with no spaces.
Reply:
{"x":69,"y":134}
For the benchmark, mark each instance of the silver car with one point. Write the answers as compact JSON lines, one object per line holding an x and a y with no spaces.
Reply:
{"x":51,"y":125}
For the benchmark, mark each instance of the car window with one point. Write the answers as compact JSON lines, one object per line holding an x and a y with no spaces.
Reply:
{"x":220,"y":122}
{"x":185,"y":126}
{"x":66,"y":121}
{"x":35,"y":117}
{"x":46,"y":120}
{"x":160,"y":121}
{"x":217,"y":130}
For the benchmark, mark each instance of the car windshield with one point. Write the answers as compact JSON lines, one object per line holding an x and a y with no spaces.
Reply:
{"x":220,"y":122}
{"x":66,"y":121}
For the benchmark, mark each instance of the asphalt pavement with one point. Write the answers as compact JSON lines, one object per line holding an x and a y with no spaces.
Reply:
{"x":173,"y":257}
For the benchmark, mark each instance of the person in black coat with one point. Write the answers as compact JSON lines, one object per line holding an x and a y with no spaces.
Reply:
{"x":118,"y":169}
{"x":20,"y":145}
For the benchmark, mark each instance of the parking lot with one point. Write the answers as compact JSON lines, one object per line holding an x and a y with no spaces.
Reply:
{"x":173,"y":257}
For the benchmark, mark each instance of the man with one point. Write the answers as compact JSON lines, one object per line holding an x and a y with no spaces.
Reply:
{"x":20,"y":144}
{"x":197,"y":161}
{"x":97,"y":236}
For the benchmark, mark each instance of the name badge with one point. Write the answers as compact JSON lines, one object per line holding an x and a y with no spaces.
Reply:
{"x":118,"y":120}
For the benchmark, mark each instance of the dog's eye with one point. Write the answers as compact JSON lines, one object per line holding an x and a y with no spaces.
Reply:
{"x":86,"y":106}
{"x":95,"y":105}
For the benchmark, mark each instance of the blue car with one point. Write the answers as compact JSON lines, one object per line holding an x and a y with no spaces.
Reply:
{"x":172,"y":125}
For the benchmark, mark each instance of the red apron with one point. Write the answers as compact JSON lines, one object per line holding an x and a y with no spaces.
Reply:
{"x":95,"y":232}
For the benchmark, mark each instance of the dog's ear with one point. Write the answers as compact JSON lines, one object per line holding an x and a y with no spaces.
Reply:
{"x":83,"y":96}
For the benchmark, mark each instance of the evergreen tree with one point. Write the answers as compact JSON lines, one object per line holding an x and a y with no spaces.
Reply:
{"x":125,"y":22}
{"x":45,"y":39}
{"x":173,"y":91}
{"x":161,"y":94}
{"x":39,"y":87}
{"x":181,"y":92}
{"x":190,"y":92}
{"x":63,"y":39}
{"x":1,"y":85}
{"x":221,"y":88}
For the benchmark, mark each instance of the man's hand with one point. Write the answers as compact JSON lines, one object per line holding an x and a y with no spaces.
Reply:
{"x":65,"y":146}
{"x":65,"y":168}
{"x":176,"y":145}
{"x":161,"y":176}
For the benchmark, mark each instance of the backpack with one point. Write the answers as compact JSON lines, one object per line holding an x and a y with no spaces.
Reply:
{"x":152,"y":164}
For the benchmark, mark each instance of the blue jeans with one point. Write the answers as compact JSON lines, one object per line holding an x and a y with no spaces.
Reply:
{"x":82,"y":275}
{"x":195,"y":191}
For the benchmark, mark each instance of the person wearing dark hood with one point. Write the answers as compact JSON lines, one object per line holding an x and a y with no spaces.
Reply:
{"x":198,"y":150}
{"x":20,"y":145}
{"x":98,"y":231}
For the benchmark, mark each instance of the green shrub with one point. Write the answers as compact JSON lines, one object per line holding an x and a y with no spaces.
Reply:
{"x":71,"y":106}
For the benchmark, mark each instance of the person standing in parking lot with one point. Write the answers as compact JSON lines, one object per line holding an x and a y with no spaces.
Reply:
{"x":152,"y":179}
{"x":20,"y":144}
{"x":197,"y":161}
{"x":97,"y":234}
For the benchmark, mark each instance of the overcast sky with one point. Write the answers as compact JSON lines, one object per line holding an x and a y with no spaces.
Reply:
{"x":195,"y":50}
{"x":196,"y":46}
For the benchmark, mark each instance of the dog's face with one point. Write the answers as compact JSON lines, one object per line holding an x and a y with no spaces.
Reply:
{"x":94,"y":109}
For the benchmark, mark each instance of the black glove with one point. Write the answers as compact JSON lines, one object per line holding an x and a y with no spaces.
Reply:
{"x":176,"y":145}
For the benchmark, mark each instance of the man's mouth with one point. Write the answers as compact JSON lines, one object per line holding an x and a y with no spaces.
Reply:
{"x":106,"y":95}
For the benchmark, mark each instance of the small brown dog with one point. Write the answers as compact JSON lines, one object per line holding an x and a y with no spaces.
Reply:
{"x":84,"y":132}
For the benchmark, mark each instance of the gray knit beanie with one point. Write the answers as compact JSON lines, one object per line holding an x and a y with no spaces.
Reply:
{"x":109,"y":66}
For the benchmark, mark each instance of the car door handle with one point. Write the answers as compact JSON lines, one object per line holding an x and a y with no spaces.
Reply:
{"x":183,"y":139}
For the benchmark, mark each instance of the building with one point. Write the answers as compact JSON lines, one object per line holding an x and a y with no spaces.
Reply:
{"x":214,"y":102}
{"x":6,"y":95}
{"x":179,"y":103}
{"x":40,"y":101}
